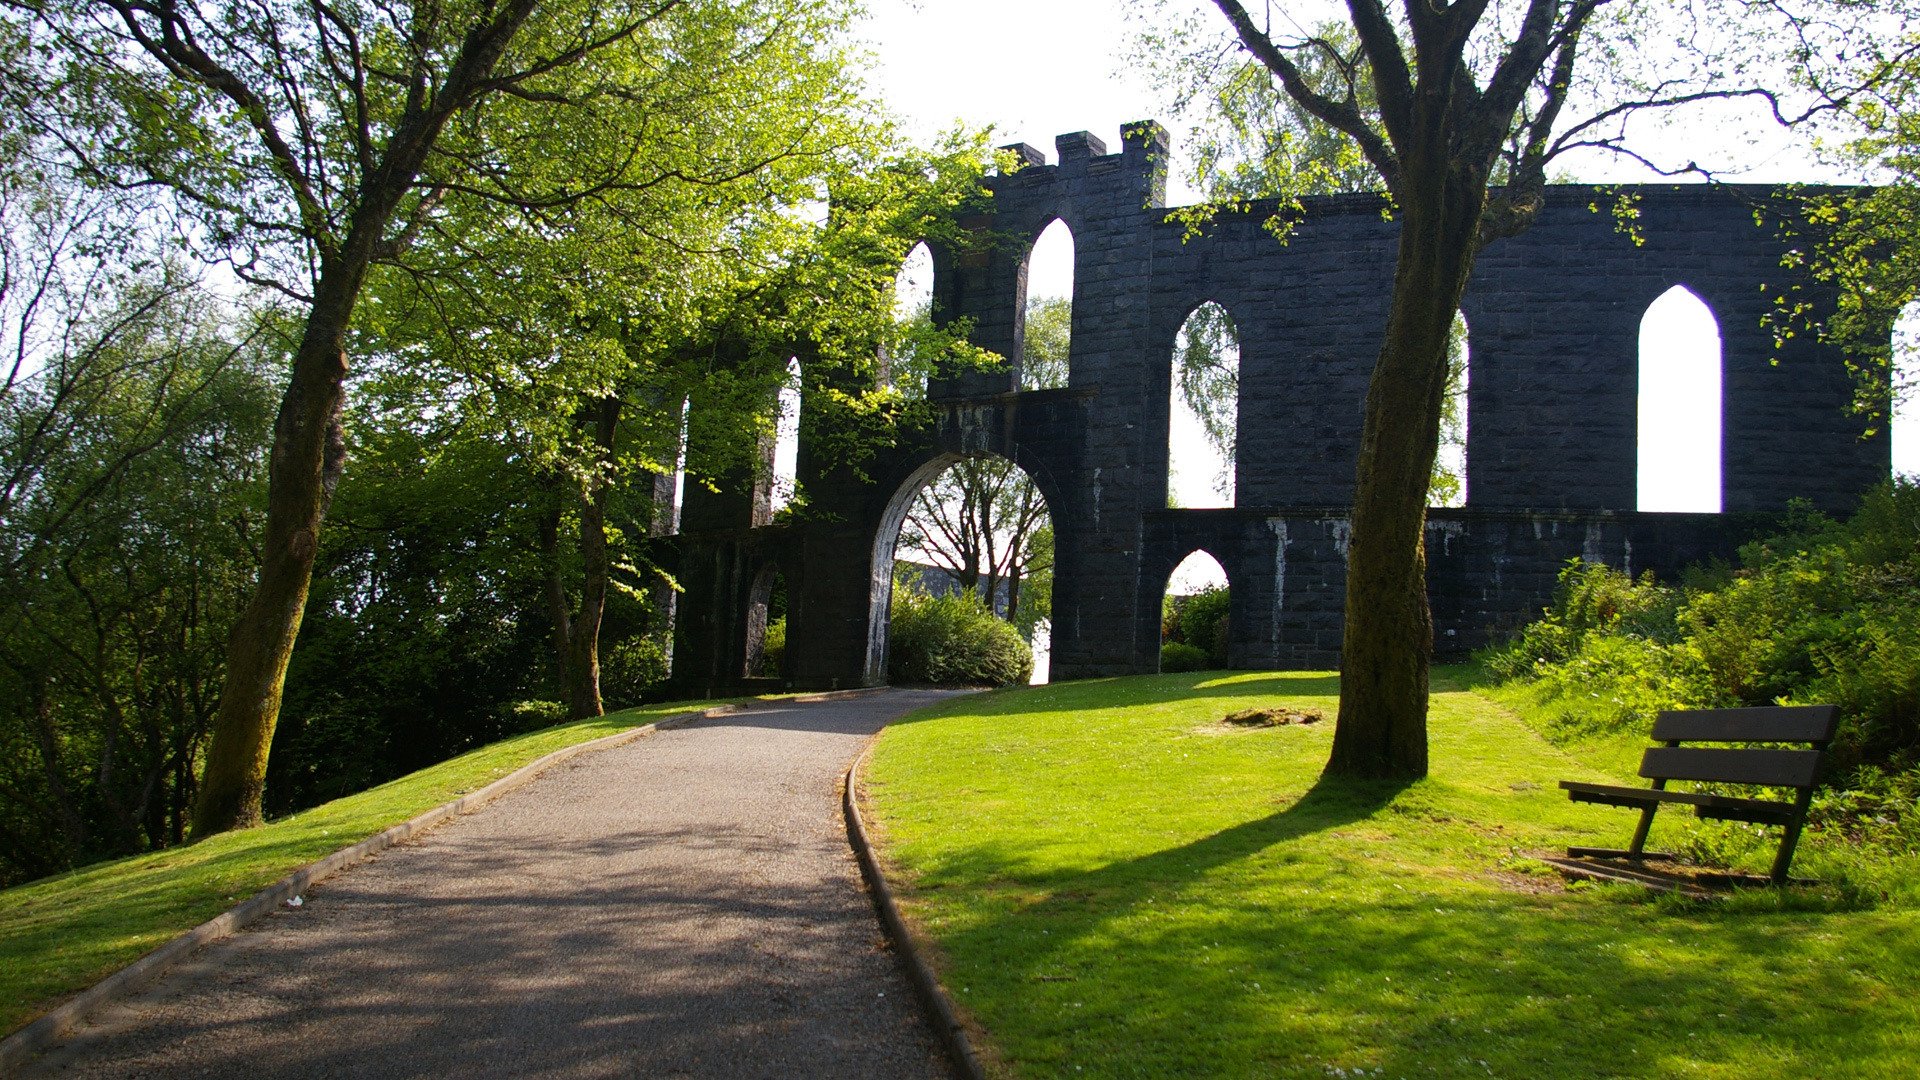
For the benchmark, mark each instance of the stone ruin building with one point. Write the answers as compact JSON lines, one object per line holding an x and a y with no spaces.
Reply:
{"x":1554,"y":317}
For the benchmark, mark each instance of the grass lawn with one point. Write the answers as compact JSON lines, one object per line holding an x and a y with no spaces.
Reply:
{"x":1119,"y":885}
{"x":60,"y":935}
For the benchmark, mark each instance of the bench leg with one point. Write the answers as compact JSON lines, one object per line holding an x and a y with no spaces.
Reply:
{"x":1637,"y":849}
{"x":1791,"y":838}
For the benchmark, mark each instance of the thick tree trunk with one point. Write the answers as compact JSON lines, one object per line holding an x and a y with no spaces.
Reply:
{"x":1388,"y":640}
{"x":309,"y":451}
{"x":309,"y":445}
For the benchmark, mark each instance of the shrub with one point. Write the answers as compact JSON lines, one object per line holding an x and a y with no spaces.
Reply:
{"x":1824,"y":611}
{"x":773,"y":652}
{"x":1180,"y":656}
{"x":952,"y":639}
{"x":632,"y":666}
{"x":1199,"y":621}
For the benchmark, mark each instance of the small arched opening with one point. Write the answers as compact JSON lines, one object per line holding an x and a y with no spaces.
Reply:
{"x":1679,"y":405}
{"x":1196,"y":625}
{"x":1203,"y":415}
{"x":973,"y":531}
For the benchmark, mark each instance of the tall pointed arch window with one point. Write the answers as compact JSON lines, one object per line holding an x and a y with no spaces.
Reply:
{"x":900,"y":366}
{"x":1195,"y":616}
{"x":1680,"y":405}
{"x":1203,"y":415}
{"x":1904,"y":423}
{"x":1449,"y":484}
{"x":1048,"y":332}
{"x":786,"y":440}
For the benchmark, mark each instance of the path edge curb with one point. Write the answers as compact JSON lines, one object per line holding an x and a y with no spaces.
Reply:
{"x":23,"y":1045}
{"x":926,"y":986}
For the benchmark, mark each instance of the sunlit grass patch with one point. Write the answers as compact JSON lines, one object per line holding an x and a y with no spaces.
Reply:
{"x":1117,"y":889}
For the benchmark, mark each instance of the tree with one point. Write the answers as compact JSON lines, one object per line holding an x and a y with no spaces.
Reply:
{"x":132,"y":441}
{"x":1049,"y":340}
{"x":577,"y":353}
{"x":314,"y":142}
{"x":979,"y":521}
{"x":1865,"y":243}
{"x":1444,"y":102}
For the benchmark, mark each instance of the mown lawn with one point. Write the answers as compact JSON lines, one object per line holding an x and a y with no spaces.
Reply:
{"x":60,"y":935}
{"x":1119,"y":885}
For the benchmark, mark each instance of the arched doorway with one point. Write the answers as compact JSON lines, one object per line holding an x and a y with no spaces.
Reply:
{"x":1196,"y":627}
{"x":976,"y":524}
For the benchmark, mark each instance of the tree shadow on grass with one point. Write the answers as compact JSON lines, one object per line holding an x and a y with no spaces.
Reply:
{"x":1164,"y":963}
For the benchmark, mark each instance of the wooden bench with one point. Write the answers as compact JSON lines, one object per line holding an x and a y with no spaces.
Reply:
{"x":1794,"y":769}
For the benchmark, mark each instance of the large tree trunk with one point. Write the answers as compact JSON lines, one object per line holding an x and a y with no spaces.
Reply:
{"x":309,"y":451}
{"x":1388,"y":641}
{"x":309,"y":445}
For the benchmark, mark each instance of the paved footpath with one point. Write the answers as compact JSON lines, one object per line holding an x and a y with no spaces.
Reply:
{"x":682,"y":906}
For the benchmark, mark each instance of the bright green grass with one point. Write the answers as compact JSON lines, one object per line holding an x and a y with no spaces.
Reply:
{"x":1121,"y":887}
{"x":62,"y":934}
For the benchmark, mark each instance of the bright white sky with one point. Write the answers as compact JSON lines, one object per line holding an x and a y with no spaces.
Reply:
{"x":1035,"y":69}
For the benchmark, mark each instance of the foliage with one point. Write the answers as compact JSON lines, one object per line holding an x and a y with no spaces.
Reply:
{"x":587,"y":161}
{"x":635,"y":665}
{"x":1250,"y":139}
{"x":1048,"y":343}
{"x":59,"y":936}
{"x":774,"y":651}
{"x":1825,"y":612}
{"x":1114,"y":893}
{"x":1199,"y":622}
{"x":1448,"y":484}
{"x":1864,"y":243}
{"x":1179,"y":656}
{"x":133,"y":410}
{"x":952,"y":639}
{"x":425,"y":623}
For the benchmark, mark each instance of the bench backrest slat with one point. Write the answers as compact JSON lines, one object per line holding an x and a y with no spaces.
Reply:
{"x":1778,"y":723}
{"x":1777,"y":768}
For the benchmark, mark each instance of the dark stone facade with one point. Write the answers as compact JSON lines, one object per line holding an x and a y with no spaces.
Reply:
{"x":1554,"y":317}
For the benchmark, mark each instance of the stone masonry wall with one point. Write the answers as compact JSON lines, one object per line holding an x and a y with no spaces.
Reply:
{"x":1553,"y":318}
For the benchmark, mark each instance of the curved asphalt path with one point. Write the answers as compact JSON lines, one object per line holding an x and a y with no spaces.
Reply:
{"x":682,"y":906}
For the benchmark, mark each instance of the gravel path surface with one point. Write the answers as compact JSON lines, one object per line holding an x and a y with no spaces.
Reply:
{"x":682,"y":906}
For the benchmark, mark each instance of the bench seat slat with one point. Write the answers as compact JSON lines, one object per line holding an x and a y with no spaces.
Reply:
{"x":1774,"y":768}
{"x":1727,"y":807}
{"x":1777,"y":723}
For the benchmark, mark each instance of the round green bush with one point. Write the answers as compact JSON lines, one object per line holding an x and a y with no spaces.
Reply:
{"x":1180,"y":656}
{"x":953,"y":639}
